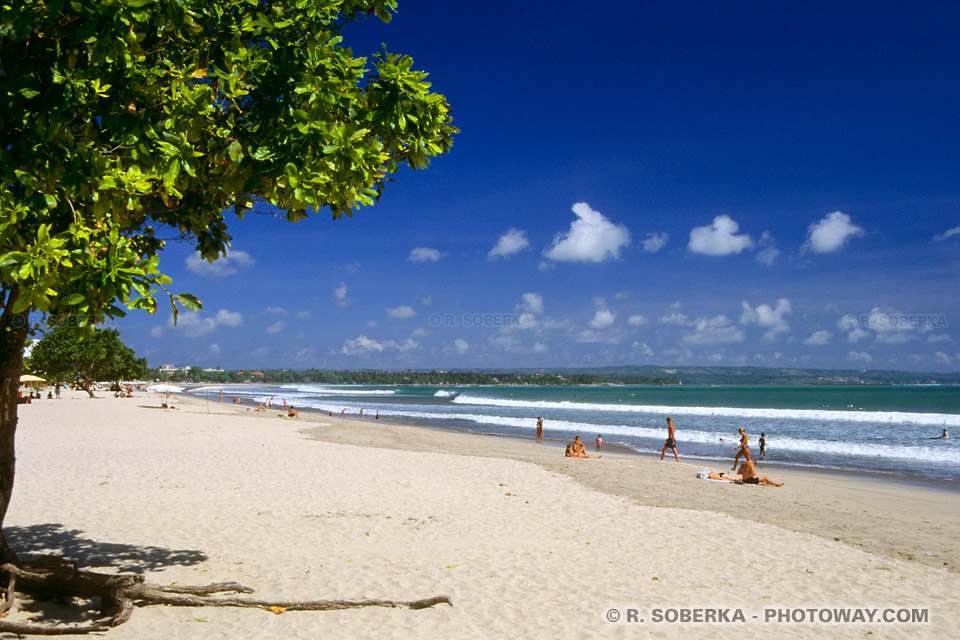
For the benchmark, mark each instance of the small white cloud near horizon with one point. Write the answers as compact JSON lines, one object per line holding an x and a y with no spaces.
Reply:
{"x":830,"y":233}
{"x":591,"y":238}
{"x":213,"y":349}
{"x":947,"y":234}
{"x":193,"y":325}
{"x":461,"y":345}
{"x":363,"y":345}
{"x":602,"y":319}
{"x":719,"y":238}
{"x":531,"y":303}
{"x":655,"y":241}
{"x":715,"y":330}
{"x":276,"y":327}
{"x":860,"y":356}
{"x":770,"y":318}
{"x":425,"y":254}
{"x":637,"y":320}
{"x":398,"y":313}
{"x":513,"y":241}
{"x":818,"y":338}
{"x":228,"y":265}
{"x":340,"y":295}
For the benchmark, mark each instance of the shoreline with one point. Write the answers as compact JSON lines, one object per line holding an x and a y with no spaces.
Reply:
{"x":893,"y":519}
{"x":896,"y":479}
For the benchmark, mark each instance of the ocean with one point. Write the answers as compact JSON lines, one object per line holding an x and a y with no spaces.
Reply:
{"x":884,"y":430}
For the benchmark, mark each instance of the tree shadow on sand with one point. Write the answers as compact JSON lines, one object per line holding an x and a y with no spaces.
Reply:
{"x":37,"y":540}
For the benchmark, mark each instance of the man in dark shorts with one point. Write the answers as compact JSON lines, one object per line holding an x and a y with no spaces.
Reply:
{"x":763,"y":445}
{"x":671,"y":441}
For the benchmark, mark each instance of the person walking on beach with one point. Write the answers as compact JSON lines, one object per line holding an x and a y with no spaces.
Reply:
{"x":599,"y":442}
{"x":744,"y":449}
{"x":671,"y":441}
{"x":540,"y":430}
{"x":763,"y":445}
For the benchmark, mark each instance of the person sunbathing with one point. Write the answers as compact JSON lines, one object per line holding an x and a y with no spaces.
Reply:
{"x":747,"y":474}
{"x":572,"y":452}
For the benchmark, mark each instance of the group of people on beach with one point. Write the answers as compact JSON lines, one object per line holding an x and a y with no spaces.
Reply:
{"x":577,"y":449}
{"x":746,"y":474}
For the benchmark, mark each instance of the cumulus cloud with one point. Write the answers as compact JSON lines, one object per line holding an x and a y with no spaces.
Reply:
{"x":643,"y":349}
{"x":233,"y":262}
{"x":655,"y":241}
{"x":513,"y":241}
{"x":818,"y":338}
{"x":363,"y":345}
{"x":531,"y":303}
{"x":280,"y":311}
{"x":860,"y":356}
{"x":340,"y":295}
{"x":947,"y":234}
{"x":769,"y":253}
{"x":830,"y":233}
{"x":602,"y":319}
{"x":715,"y":330}
{"x":591,"y":238}
{"x":213,"y":349}
{"x":461,"y":345}
{"x":637,"y":320}
{"x":425,"y":254}
{"x":193,"y":325}
{"x":719,"y":238}
{"x":303,"y":315}
{"x":398,"y":313}
{"x":674,"y":318}
{"x":770,"y":318}
{"x":276,"y":327}
{"x":857,"y":334}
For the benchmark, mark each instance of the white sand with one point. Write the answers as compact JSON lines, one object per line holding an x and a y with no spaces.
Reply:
{"x":189,"y":497}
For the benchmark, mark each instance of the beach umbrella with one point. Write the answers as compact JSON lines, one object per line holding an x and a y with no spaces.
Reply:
{"x":28,"y":380}
{"x":164,"y":389}
{"x":205,"y":395}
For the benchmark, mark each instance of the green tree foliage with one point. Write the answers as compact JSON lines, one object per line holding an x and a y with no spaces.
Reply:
{"x":68,"y":355}
{"x":127,"y":123}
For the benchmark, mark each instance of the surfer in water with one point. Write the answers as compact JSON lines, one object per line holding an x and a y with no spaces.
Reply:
{"x":942,"y":436}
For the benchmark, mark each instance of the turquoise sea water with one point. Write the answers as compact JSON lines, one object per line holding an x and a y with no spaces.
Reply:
{"x":884,"y":429}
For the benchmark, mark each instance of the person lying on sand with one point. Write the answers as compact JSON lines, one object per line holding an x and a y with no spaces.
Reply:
{"x":572,"y":453}
{"x":747,"y":474}
{"x":260,"y":407}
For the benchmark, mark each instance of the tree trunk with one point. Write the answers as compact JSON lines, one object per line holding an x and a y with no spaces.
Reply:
{"x":13,"y":337}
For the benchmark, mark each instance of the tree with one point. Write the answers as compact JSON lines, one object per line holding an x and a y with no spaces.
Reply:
{"x":126,"y":123}
{"x":68,"y":355}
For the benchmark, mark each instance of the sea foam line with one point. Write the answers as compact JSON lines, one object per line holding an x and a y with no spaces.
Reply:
{"x":887,"y":417}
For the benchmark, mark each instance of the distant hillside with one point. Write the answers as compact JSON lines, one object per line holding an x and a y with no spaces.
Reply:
{"x":763,"y":375}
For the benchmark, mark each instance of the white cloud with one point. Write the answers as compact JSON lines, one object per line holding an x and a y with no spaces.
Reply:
{"x":340,"y":295}
{"x":531,"y":303}
{"x":818,"y":338}
{"x":719,"y":238}
{"x":830,"y":233}
{"x":363,"y":345}
{"x":769,"y":253}
{"x":637,"y":320}
{"x":193,"y":325}
{"x":715,"y":330}
{"x":770,"y":318}
{"x":591,"y":238}
{"x":675,"y":318}
{"x":513,"y":241}
{"x":213,"y":349}
{"x":860,"y":356}
{"x":403,"y":311}
{"x":947,"y":234}
{"x":461,"y":345}
{"x":602,"y":319}
{"x":655,"y":241}
{"x":857,"y":334}
{"x":539,"y":347}
{"x":233,"y":262}
{"x":643,"y":349}
{"x":425,"y":254}
{"x":276,"y":327}
{"x":280,"y":311}
{"x":303,"y":315}
{"x":942,"y":357}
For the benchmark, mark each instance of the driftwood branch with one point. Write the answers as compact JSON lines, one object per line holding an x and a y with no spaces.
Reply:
{"x":117,"y":594}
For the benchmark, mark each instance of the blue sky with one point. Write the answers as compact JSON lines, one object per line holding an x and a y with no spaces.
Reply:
{"x":769,"y":184}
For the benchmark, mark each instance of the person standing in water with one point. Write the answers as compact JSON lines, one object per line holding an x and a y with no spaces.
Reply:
{"x":671,"y":441}
{"x":763,"y":445}
{"x":540,"y":430}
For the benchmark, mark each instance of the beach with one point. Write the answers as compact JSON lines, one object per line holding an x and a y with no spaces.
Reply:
{"x":525,"y":542}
